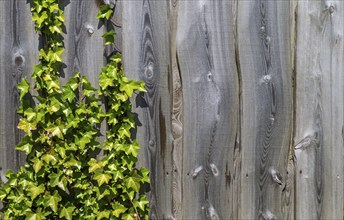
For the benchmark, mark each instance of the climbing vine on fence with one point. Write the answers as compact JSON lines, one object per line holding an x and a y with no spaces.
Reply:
{"x":63,"y":177}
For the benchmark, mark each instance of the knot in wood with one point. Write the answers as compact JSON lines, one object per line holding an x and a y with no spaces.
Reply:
{"x":18,"y":59}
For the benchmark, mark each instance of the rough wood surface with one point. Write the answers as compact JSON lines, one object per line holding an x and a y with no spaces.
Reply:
{"x":319,"y":113}
{"x":82,"y":39}
{"x":177,"y":116}
{"x":265,"y":61}
{"x":147,"y":57}
{"x":205,"y":51}
{"x":244,"y":114}
{"x":18,"y":52}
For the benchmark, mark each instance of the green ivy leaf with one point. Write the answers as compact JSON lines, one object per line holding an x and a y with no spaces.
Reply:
{"x":67,"y":212}
{"x":26,"y":126}
{"x":37,"y":164}
{"x":130,"y":87}
{"x":52,"y":200}
{"x":102,"y":178}
{"x":53,"y":7}
{"x":25,"y":145}
{"x":134,"y":183}
{"x":34,"y":191}
{"x":103,"y":214}
{"x":105,"y":12}
{"x":94,"y":165}
{"x":118,"y":209}
{"x":3,"y":194}
{"x":23,"y":86}
{"x":39,"y":18}
{"x":128,"y":217}
{"x":109,"y":37}
{"x":133,"y":149}
{"x":105,"y":81}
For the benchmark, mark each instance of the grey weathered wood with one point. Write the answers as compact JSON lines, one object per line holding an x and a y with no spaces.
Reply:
{"x":244,"y":114}
{"x":319,"y":114}
{"x":18,"y":53}
{"x":265,"y":61}
{"x":205,"y":50}
{"x":146,"y":57}
{"x":177,"y":116}
{"x":82,"y":39}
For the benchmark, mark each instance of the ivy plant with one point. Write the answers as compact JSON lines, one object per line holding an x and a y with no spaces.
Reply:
{"x":68,"y":173}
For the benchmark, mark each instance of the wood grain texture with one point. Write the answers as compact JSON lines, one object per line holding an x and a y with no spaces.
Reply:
{"x":205,"y":50}
{"x":147,"y":57}
{"x":82,"y":39}
{"x":319,"y":113}
{"x":18,"y":53}
{"x":244,"y":114}
{"x":265,"y":61}
{"x":177,"y":116}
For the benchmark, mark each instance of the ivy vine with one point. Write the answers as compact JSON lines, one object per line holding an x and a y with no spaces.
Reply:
{"x":68,"y":173}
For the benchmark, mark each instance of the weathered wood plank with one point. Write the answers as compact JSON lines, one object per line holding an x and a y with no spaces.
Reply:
{"x":265,"y":61}
{"x":18,"y":54}
{"x":319,"y":115}
{"x":82,"y":39}
{"x":177,"y":116}
{"x":206,"y":57}
{"x":146,"y":56}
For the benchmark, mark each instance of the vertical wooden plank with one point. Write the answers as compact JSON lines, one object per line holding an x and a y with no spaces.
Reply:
{"x":177,"y":116}
{"x":146,"y":56}
{"x":319,"y":115}
{"x":18,"y":54}
{"x":84,"y":50}
{"x":206,"y":57}
{"x":264,"y":54}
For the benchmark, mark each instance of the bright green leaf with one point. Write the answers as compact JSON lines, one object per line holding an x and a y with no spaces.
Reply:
{"x":23,"y":86}
{"x":102,"y":178}
{"x":34,"y":191}
{"x":53,"y":200}
{"x":67,"y":212}
{"x":118,"y":209}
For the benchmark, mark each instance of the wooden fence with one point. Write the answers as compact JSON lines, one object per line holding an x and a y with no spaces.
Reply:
{"x":244,"y":114}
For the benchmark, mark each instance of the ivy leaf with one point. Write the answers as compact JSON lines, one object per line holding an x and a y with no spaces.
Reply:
{"x":145,"y":175}
{"x":25,"y":145}
{"x":37,"y":164}
{"x":109,"y":37}
{"x":23,"y":86}
{"x":53,"y":7}
{"x":39,"y":18}
{"x":55,"y":55}
{"x":34,"y":216}
{"x":124,"y":131}
{"x":3,"y":194}
{"x":26,"y":126}
{"x":54,"y":179}
{"x":94,"y":165}
{"x":118,"y":209}
{"x":134,"y":183}
{"x":133,"y":149}
{"x":141,"y":203}
{"x":105,"y":81}
{"x":128,"y":217}
{"x":49,"y":158}
{"x":105,"y":12}
{"x":34,"y":191}
{"x":53,"y":200}
{"x":129,"y":87}
{"x":67,"y":212}
{"x":102,"y":178}
{"x":103,"y":214}
{"x":68,"y":94}
{"x":55,"y":131}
